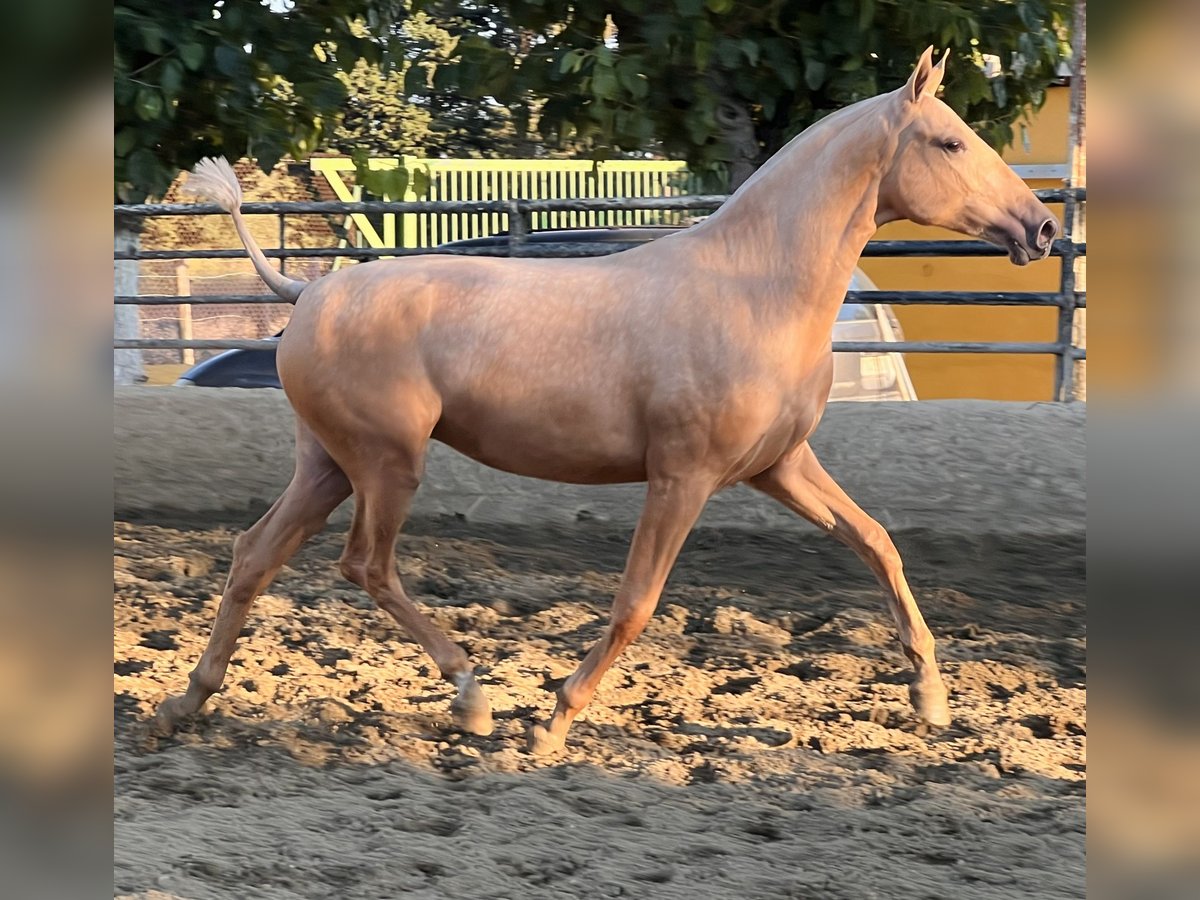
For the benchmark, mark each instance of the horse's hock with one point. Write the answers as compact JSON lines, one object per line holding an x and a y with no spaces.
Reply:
{"x":961,"y":466}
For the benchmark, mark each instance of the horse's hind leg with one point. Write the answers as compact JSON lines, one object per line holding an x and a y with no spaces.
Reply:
{"x":383,"y":491}
{"x":800,"y":483}
{"x":316,"y":489}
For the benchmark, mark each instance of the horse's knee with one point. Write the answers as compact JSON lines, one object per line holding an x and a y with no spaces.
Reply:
{"x":247,"y":563}
{"x":380,"y":578}
{"x":374,"y":578}
{"x":243,"y":544}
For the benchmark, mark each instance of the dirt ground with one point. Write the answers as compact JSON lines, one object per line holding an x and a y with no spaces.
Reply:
{"x":755,"y":743}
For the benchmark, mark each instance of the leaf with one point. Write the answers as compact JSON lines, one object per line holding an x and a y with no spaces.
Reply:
{"x":323,"y":94}
{"x":697,"y":129}
{"x":750,"y":48}
{"x":623,"y":121}
{"x":416,"y":79}
{"x":604,"y":84}
{"x":782,"y":61}
{"x":631,"y":78}
{"x":231,"y":15}
{"x":172,"y":77}
{"x":446,"y":77}
{"x":152,"y":37}
{"x":123,"y":92}
{"x":146,"y":173}
{"x":720,"y":7}
{"x":572,"y":61}
{"x":497,"y":80}
{"x":729,"y":53}
{"x":267,"y":153}
{"x":192,"y":55}
{"x":149,"y":104}
{"x":390,"y":184}
{"x":231,"y":61}
{"x":422,"y":182}
{"x":814,"y":73}
{"x":125,"y":141}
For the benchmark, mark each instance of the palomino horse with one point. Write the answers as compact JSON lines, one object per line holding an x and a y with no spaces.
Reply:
{"x":692,"y":363}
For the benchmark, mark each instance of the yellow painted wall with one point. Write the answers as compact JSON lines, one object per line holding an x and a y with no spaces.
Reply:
{"x":985,"y":376}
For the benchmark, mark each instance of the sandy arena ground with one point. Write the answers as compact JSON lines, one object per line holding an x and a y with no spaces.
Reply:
{"x":755,"y":743}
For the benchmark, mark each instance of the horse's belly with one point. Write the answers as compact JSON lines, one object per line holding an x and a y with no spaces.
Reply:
{"x":566,"y":445}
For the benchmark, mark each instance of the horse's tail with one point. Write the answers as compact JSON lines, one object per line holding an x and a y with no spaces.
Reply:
{"x":214,"y":179}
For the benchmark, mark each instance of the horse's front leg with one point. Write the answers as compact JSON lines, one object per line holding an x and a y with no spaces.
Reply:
{"x":672,"y":507}
{"x":800,"y":483}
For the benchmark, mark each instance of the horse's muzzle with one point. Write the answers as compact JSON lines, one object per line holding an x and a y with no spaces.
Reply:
{"x":1032,"y":241}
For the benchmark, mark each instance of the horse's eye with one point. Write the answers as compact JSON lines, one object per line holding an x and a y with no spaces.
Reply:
{"x":953,"y":146}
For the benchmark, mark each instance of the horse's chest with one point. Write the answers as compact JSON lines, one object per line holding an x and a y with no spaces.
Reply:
{"x":761,"y":421}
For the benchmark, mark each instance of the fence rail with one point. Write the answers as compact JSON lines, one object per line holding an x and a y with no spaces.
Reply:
{"x":838,"y":346}
{"x":520,"y":215}
{"x":566,"y":249}
{"x":892,"y":298}
{"x":517,"y":207}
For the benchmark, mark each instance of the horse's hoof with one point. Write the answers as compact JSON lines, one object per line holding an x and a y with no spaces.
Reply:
{"x":145,"y":736}
{"x":167,"y":717}
{"x":472,"y":713}
{"x":931,"y":704}
{"x":543,"y":743}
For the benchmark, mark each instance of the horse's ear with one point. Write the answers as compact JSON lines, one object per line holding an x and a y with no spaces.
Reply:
{"x":926,"y":77}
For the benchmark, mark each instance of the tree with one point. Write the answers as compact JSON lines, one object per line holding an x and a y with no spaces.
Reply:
{"x":377,"y":118}
{"x":197,"y":78}
{"x":725,"y":84}
{"x":392,"y":108}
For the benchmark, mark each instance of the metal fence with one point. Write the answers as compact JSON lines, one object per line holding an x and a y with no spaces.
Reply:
{"x":520,"y":214}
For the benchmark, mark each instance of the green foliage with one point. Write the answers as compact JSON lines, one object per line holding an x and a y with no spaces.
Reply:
{"x":377,"y":118}
{"x":395,"y":110}
{"x":186,"y":86}
{"x":539,"y":77}
{"x":623,"y":75}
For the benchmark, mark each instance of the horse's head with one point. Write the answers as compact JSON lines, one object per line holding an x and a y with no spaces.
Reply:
{"x":944,"y":174}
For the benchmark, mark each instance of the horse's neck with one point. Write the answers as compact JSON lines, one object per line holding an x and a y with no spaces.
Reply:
{"x":806,"y":215}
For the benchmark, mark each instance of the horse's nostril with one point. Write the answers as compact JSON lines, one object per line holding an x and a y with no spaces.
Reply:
{"x":1046,"y":233}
